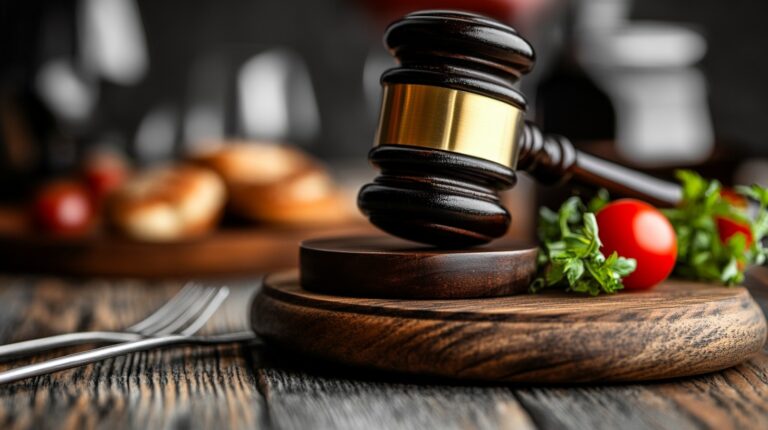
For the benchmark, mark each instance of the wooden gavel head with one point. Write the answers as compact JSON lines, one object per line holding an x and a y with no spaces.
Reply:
{"x":451,"y":129}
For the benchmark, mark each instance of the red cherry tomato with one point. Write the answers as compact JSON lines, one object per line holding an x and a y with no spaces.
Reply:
{"x":103,"y":174}
{"x":64,"y":207}
{"x":635,"y":229}
{"x":734,"y":198}
{"x":727,"y":227}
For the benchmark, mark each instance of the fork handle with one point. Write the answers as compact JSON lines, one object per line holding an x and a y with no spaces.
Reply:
{"x":80,"y":358}
{"x":13,"y":350}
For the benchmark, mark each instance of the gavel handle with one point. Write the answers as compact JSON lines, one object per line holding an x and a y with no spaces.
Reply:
{"x":552,"y":159}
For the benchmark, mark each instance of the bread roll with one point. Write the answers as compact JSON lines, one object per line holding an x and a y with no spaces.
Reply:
{"x":276,"y":184}
{"x":168,"y":204}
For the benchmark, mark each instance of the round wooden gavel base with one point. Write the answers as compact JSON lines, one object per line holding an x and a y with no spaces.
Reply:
{"x":677,"y":329}
{"x":388,"y":267}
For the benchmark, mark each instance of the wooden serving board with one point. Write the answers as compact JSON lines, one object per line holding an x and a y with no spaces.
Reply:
{"x":226,"y":252}
{"x":677,"y":329}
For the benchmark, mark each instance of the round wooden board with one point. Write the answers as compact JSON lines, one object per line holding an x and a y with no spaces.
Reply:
{"x":677,"y":329}
{"x":385,"y":266}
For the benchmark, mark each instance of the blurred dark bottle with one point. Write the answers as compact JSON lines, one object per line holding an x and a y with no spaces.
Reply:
{"x":33,"y":142}
{"x":26,"y":123}
{"x":568,"y":100}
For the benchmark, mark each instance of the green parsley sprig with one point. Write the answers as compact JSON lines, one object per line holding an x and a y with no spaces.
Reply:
{"x":701,"y":254}
{"x":570,"y":254}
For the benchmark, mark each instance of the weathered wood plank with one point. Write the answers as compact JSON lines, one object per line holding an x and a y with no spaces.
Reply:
{"x":298,"y":400}
{"x":151,"y":390}
{"x":736,"y":398}
{"x":12,"y":293}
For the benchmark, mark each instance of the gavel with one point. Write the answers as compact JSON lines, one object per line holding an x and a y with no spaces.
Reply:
{"x":452,"y":134}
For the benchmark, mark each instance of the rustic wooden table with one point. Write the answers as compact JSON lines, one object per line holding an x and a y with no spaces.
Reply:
{"x":253,"y":386}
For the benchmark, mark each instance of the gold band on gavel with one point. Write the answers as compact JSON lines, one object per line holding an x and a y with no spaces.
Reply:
{"x":450,"y":120}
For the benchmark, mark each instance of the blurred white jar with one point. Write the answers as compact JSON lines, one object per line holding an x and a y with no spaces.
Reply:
{"x":649,"y":71}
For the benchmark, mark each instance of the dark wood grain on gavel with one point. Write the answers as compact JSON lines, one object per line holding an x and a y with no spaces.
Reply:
{"x":451,"y":135}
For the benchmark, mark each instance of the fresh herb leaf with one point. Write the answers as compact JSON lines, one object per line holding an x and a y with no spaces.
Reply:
{"x":570,"y":255}
{"x":601,"y":199}
{"x":701,"y":251}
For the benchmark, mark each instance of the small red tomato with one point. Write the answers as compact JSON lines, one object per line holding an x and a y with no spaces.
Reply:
{"x":635,"y":229}
{"x":727,"y":227}
{"x":734,"y":198}
{"x":103,"y":174}
{"x":63,"y":207}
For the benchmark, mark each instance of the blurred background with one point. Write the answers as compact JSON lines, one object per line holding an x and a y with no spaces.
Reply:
{"x":95,"y":93}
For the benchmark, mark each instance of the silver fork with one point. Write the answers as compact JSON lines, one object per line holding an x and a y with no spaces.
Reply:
{"x":171,"y":334}
{"x":181,"y":302}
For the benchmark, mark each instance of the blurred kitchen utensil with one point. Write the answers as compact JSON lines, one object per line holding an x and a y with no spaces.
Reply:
{"x":650,"y":71}
{"x":276,"y":99}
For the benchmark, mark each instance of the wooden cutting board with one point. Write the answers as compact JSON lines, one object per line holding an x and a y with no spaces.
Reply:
{"x":677,"y":329}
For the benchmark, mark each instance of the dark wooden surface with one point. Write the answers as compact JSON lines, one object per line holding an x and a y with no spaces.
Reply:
{"x":385,"y":266}
{"x":256,"y":387}
{"x":677,"y":329}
